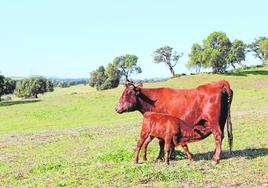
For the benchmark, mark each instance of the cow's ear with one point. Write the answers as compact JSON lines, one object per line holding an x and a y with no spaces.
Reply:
{"x":137,"y":90}
{"x":140,"y":85}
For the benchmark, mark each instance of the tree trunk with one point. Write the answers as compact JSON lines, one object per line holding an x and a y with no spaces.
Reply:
{"x":171,"y":70}
{"x":233,"y":65}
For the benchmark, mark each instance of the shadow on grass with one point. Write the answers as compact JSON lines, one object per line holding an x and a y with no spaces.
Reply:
{"x":247,"y":153}
{"x":10,"y":103}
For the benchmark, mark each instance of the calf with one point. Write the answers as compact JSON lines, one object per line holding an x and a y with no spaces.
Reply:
{"x":170,"y":129}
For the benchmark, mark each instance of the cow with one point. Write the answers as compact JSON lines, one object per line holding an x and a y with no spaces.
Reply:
{"x":172,"y":130}
{"x":210,"y":102}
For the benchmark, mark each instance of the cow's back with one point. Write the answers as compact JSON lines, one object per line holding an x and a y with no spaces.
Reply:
{"x":187,"y":104}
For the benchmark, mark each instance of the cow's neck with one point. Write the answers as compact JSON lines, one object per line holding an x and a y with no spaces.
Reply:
{"x":147,"y":100}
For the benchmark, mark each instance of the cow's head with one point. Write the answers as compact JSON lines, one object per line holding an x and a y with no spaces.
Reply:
{"x":128,"y":101}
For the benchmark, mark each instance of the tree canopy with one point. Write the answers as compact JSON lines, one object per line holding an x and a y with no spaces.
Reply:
{"x":168,"y":56}
{"x":260,"y":48}
{"x":127,"y":64}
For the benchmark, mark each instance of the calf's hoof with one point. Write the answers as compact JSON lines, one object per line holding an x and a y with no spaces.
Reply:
{"x":172,"y":157}
{"x":160,"y":159}
{"x":144,"y":158}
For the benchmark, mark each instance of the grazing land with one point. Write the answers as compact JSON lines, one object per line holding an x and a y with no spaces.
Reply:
{"x":73,"y":137}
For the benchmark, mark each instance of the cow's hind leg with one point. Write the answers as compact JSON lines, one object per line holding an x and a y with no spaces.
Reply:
{"x":145,"y":145}
{"x":218,"y":141}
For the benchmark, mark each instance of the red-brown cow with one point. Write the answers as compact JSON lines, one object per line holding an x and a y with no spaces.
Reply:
{"x":210,"y":102}
{"x":170,"y":129}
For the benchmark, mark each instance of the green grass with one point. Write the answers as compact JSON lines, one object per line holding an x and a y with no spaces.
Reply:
{"x":73,"y":138}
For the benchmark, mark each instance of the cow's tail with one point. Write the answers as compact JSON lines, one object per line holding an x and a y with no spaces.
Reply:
{"x":225,"y":85}
{"x":229,"y":122}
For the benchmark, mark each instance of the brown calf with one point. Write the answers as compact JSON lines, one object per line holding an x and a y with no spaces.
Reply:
{"x":170,"y":129}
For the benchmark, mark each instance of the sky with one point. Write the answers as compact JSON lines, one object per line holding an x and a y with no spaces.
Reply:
{"x":69,"y":39}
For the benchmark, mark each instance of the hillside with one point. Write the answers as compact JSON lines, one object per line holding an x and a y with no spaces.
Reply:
{"x":73,"y":137}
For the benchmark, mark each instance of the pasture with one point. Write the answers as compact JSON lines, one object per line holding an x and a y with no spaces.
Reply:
{"x":72,"y":137}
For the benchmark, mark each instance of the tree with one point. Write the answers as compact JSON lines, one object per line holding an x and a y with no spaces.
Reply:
{"x":97,"y":77}
{"x":127,"y":64}
{"x":7,"y":86}
{"x":109,"y":77}
{"x":260,"y":48}
{"x":31,"y":87}
{"x":216,"y":49}
{"x":217,"y":52}
{"x":1,"y":85}
{"x":113,"y":76}
{"x":195,"y":58}
{"x":50,"y":86}
{"x":93,"y":78}
{"x":166,"y":55}
{"x":237,"y":54}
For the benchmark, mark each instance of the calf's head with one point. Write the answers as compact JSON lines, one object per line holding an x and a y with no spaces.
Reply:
{"x":128,"y":101}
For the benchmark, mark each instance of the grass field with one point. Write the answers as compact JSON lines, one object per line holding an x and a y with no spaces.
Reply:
{"x":72,"y":137}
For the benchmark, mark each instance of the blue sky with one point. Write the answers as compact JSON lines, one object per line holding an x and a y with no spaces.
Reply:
{"x":71,"y":38}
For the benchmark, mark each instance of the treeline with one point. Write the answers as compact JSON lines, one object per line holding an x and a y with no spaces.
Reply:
{"x":25,"y":88}
{"x":31,"y":87}
{"x":216,"y":52}
{"x":64,"y":83}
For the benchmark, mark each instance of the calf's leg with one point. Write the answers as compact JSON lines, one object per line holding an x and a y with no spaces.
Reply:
{"x":168,"y":145}
{"x":172,"y":153}
{"x":161,"y":152}
{"x":139,"y":145}
{"x":144,"y":149}
{"x":186,"y":150}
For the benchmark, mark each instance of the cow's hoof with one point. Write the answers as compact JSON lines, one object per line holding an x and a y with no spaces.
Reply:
{"x":193,"y":160}
{"x":215,"y":162}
